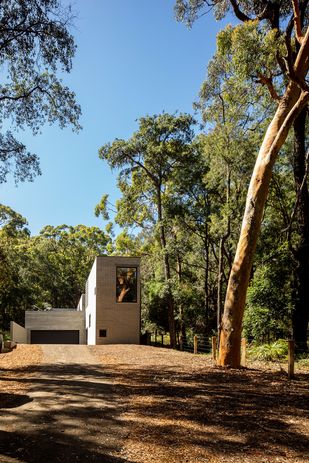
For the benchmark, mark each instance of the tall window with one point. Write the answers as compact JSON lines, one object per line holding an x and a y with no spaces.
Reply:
{"x":126,"y":284}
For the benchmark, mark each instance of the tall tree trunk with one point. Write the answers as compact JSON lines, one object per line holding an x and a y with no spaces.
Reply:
{"x":301,"y":255}
{"x":206,"y":278}
{"x":219,"y":286}
{"x":221,"y":250}
{"x":167,"y":273}
{"x":290,"y":105}
{"x":181,"y":308}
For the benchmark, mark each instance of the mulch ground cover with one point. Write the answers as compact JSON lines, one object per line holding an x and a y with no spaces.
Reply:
{"x":14,"y":367}
{"x":181,"y":408}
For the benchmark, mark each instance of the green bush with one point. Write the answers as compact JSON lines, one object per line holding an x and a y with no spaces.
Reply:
{"x":269,"y":352}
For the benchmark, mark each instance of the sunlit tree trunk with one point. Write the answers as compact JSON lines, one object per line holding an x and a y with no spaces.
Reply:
{"x":288,"y":109}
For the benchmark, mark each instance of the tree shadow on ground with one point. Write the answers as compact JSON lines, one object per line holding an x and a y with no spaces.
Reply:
{"x":74,"y":416}
{"x":13,"y":400}
{"x":85,"y":413}
{"x":225,"y":411}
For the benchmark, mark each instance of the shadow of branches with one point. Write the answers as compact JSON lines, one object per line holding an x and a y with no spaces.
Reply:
{"x":99,"y":413}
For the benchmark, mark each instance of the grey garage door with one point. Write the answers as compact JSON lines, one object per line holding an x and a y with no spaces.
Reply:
{"x":54,"y":337}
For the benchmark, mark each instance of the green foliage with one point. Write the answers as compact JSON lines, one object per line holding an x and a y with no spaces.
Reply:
{"x":269,"y":299}
{"x":269,"y":352}
{"x":251,"y":48}
{"x":35,"y":44}
{"x":11,"y":222}
{"x":188,"y":11}
{"x":101,"y":208}
{"x":155,"y":300}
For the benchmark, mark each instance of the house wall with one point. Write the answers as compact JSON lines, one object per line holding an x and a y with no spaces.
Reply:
{"x":120,"y":320}
{"x":81,"y":303}
{"x":19,"y":334}
{"x":56,"y":319}
{"x":90,"y":305}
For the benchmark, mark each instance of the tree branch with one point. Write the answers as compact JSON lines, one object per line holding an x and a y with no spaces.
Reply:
{"x":238,"y":13}
{"x":269,"y":83}
{"x":297,"y":23}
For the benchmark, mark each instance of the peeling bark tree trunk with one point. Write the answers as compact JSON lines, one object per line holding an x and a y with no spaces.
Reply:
{"x":301,"y":255}
{"x":288,"y":109}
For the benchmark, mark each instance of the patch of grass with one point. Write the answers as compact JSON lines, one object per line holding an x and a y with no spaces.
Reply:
{"x":303,"y":362}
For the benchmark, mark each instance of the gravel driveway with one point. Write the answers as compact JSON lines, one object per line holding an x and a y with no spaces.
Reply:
{"x":72,"y":412}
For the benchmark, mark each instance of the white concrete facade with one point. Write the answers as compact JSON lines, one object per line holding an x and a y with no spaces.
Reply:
{"x":91,"y":305}
{"x":118,"y":322}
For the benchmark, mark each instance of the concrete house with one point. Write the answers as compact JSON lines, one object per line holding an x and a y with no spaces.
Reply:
{"x":112,"y":301}
{"x":108,"y":313}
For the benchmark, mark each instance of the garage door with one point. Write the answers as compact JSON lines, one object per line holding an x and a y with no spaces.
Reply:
{"x":54,"y":337}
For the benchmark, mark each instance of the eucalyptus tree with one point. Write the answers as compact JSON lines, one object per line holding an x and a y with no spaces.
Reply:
{"x":264,"y":52}
{"x":149,"y":162}
{"x":269,"y":307}
{"x":35,"y":46}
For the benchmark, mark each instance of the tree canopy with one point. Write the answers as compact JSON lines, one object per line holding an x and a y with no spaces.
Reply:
{"x":35,"y":46}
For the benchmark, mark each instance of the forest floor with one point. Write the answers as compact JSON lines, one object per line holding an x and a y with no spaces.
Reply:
{"x":142,"y":404}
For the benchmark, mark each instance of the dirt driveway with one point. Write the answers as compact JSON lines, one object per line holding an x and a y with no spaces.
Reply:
{"x":71,"y":412}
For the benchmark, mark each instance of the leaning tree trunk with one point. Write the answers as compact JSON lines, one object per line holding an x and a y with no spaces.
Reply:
{"x":301,"y":255}
{"x":290,"y":105}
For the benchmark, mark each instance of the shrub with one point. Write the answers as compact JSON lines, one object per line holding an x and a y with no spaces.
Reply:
{"x":269,"y":352}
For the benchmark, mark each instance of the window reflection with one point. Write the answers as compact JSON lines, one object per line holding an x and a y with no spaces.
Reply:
{"x":126,"y":284}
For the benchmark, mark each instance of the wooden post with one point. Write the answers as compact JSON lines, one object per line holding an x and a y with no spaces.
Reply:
{"x":214,"y":347}
{"x":155,"y":339}
{"x":195,"y":344}
{"x":180,"y":342}
{"x":162,"y":339}
{"x":243,"y":352}
{"x":291,"y":358}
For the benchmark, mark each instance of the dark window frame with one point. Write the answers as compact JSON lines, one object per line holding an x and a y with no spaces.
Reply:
{"x":103,"y":333}
{"x":136,"y":287}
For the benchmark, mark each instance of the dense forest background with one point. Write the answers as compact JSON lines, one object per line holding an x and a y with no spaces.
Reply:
{"x":181,"y":210}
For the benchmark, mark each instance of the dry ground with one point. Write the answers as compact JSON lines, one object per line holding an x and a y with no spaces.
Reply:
{"x":14,"y":367}
{"x":180,"y":408}
{"x":177,"y":407}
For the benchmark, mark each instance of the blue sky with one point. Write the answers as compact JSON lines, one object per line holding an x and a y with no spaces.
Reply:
{"x":132,"y":59}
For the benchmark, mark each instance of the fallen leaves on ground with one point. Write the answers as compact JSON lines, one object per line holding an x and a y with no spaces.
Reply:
{"x":182,"y":408}
{"x":15,"y":367}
